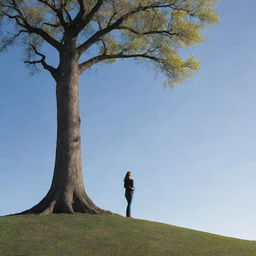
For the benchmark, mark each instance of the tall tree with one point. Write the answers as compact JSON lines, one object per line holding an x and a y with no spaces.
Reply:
{"x":146,"y":30}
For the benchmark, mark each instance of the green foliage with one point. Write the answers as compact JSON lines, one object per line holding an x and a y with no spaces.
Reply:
{"x":148,"y":30}
{"x":94,"y":235}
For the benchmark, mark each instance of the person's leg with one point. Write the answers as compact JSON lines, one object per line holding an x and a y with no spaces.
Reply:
{"x":128,"y":196}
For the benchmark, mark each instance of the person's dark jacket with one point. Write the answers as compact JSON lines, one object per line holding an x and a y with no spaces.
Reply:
{"x":129,"y":184}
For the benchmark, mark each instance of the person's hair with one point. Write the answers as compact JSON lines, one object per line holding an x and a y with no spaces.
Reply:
{"x":126,"y":177}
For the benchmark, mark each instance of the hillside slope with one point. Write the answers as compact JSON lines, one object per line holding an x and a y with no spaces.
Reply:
{"x":82,"y":235}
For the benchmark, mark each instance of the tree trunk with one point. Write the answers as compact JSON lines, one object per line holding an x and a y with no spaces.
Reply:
{"x":67,"y":193}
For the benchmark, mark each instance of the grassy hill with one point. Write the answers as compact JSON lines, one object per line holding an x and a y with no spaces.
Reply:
{"x":82,"y":235}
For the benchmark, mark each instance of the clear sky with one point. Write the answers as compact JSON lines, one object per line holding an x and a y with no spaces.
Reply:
{"x":191,"y":149}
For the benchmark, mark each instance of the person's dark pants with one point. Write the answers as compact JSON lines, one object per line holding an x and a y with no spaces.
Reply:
{"x":128,"y":196}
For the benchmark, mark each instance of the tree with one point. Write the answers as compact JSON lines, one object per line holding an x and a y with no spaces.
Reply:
{"x":146,"y":30}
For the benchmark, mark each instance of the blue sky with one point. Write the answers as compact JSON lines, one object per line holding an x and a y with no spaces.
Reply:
{"x":191,"y":148}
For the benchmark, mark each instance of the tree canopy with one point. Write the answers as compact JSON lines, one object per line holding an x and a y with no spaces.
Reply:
{"x":87,"y":32}
{"x":147,"y":30}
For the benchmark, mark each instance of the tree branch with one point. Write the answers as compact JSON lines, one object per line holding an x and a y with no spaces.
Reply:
{"x":21,"y":21}
{"x":67,"y":13}
{"x":85,"y":65}
{"x":104,"y":46}
{"x":16,"y":17}
{"x":163,"y":32}
{"x":81,"y":20}
{"x":44,"y":35}
{"x":51,"y":25}
{"x":10,"y":40}
{"x":96,"y":36}
{"x":57,"y":11}
{"x":42,"y":61}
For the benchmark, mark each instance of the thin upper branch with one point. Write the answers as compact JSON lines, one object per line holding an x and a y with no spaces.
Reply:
{"x":56,"y":25}
{"x":85,"y":65}
{"x":97,"y":36}
{"x":10,"y":40}
{"x":150,"y":32}
{"x":43,"y":34}
{"x":67,"y":13}
{"x":23,"y":22}
{"x":57,"y":11}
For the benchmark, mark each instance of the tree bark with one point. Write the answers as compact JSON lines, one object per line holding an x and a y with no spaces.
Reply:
{"x":67,"y":193}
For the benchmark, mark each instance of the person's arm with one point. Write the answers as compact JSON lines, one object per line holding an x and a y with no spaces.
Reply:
{"x":132,"y":185}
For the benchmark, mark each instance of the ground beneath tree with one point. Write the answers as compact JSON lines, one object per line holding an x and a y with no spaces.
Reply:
{"x":94,"y":235}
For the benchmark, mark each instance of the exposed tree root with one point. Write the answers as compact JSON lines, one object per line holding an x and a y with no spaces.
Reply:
{"x":70,"y":203}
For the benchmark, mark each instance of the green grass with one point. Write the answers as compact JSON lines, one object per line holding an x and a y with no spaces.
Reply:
{"x":80,"y":234}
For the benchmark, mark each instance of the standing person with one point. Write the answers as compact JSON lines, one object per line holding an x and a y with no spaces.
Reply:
{"x":129,"y":189}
